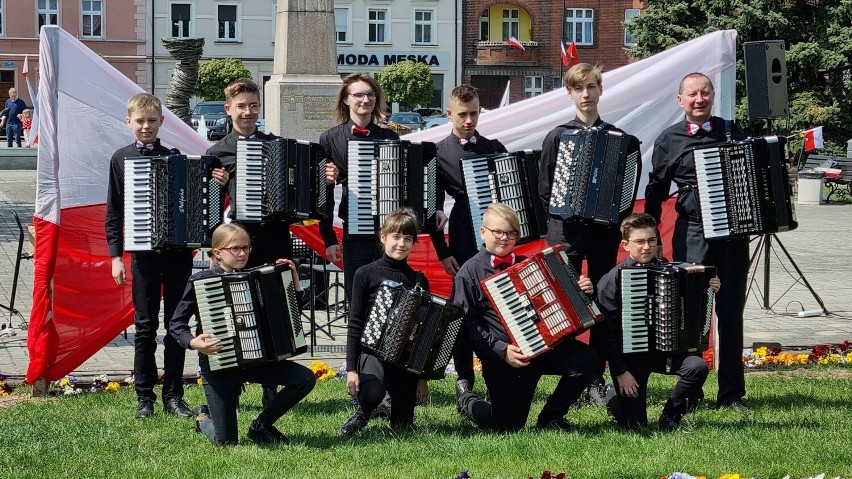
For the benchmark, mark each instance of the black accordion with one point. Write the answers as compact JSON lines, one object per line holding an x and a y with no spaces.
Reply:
{"x":666,"y":307}
{"x":743,"y":188}
{"x":170,"y":201}
{"x":385,"y":175}
{"x":412,"y":329}
{"x":596,"y":176}
{"x":510,"y":178}
{"x":280,"y":178}
{"x":254,"y":313}
{"x":539,"y":301}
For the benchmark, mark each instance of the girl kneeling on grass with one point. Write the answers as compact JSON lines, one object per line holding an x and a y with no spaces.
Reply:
{"x":218,"y":419}
{"x":367,"y":377}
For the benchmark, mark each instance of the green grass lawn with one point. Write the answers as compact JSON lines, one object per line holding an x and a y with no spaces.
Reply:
{"x":800,"y":424}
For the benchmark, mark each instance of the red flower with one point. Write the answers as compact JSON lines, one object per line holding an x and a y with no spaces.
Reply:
{"x":844,"y":345}
{"x":546,"y":475}
{"x":775,"y":351}
{"x":561,"y":475}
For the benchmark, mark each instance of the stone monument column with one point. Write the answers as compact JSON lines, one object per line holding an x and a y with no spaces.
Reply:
{"x":300,"y":95}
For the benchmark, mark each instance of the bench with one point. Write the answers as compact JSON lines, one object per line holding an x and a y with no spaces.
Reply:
{"x":843,"y":184}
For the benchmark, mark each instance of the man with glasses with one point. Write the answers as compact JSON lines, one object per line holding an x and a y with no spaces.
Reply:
{"x":511,"y":376}
{"x":627,"y":402}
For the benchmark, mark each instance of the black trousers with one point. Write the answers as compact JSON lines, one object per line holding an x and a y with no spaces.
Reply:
{"x":731,"y":259}
{"x":511,"y":390}
{"x":357,"y":252}
{"x":153,"y":272}
{"x":375,"y":378}
{"x":631,"y":413}
{"x":598,"y":245}
{"x":463,"y":351}
{"x":222,"y":390}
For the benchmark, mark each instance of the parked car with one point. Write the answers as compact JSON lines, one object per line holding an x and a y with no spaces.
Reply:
{"x":214,"y":117}
{"x":408,"y":119}
{"x":434,"y":121}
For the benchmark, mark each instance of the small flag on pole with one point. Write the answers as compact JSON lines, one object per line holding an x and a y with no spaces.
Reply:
{"x":570,"y":58}
{"x":813,"y":138}
{"x":33,"y":135}
{"x":505,"y":100}
{"x":515,"y":43}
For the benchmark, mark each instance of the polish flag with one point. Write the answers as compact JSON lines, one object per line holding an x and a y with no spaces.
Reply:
{"x":813,"y":138}
{"x":570,"y":58}
{"x":34,"y":99}
{"x":515,"y":43}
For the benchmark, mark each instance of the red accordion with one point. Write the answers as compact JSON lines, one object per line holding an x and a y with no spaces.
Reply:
{"x":539,"y":302}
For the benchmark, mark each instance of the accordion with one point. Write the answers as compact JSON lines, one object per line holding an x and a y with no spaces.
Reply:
{"x":280,"y":178}
{"x":170,"y":201}
{"x":539,"y":302}
{"x":595,"y":178}
{"x":254,"y":313}
{"x":666,"y":307}
{"x":510,"y":178}
{"x":386,"y":175}
{"x":411,"y":328}
{"x":743,"y":189}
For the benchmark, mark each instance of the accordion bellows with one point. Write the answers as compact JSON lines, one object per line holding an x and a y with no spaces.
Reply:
{"x":170,"y":201}
{"x":595,"y":178}
{"x":254,"y":313}
{"x":411,"y":328}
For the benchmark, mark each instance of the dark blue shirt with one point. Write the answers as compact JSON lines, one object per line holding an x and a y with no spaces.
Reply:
{"x":15,"y":108}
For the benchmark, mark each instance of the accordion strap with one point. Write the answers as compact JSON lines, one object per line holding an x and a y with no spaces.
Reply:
{"x":728,"y":128}
{"x":417,"y":281}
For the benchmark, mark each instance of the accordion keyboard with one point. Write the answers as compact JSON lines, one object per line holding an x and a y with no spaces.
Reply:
{"x":249,"y":201}
{"x":138,"y":216}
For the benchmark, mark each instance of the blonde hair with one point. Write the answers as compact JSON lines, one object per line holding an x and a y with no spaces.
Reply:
{"x":577,"y":74}
{"x":341,"y":109}
{"x":28,"y":113}
{"x":402,"y":221}
{"x":225,"y":233}
{"x":143,"y":102}
{"x":238,"y":86}
{"x":503,"y":211}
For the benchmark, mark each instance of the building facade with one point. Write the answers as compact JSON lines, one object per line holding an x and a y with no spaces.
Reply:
{"x":114,"y":29}
{"x":595,"y":26}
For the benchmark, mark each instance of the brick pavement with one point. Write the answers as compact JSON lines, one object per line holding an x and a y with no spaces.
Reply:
{"x":819,"y":247}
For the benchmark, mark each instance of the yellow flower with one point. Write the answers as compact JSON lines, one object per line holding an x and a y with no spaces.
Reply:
{"x":112,"y":386}
{"x":64,"y":382}
{"x":199,"y":381}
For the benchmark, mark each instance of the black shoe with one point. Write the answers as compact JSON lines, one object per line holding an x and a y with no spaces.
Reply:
{"x":268,"y":395}
{"x":463,"y":388}
{"x":355,"y":423}
{"x":558,"y":424}
{"x":693,"y":403}
{"x":201,"y":412}
{"x":669,"y":423}
{"x":735,"y":405}
{"x":383,"y":410}
{"x":262,"y":433}
{"x":597,"y":392}
{"x":177,"y":407}
{"x":145,"y":408}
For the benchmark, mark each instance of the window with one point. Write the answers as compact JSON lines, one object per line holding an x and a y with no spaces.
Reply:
{"x":578,"y":25}
{"x":377,"y":25}
{"x":423,"y":29}
{"x":227,"y":19}
{"x":181,"y":20}
{"x":2,"y":31}
{"x":629,"y":15}
{"x":93,"y":15}
{"x":48,"y":13}
{"x":484,"y":26}
{"x":341,"y":25}
{"x":511,"y":23}
{"x":533,"y":86}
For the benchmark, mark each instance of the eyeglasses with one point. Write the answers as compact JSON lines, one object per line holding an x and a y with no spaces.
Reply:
{"x":500,"y":234}
{"x":642,"y":242}
{"x":370,"y":95}
{"x":236,"y":250}
{"x":242,"y":108}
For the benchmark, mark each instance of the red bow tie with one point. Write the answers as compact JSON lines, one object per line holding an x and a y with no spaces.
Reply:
{"x":502,"y":262}
{"x":357,"y":130}
{"x":692,"y":128}
{"x":147,"y":146}
{"x":463,"y":142}
{"x":250,"y":137}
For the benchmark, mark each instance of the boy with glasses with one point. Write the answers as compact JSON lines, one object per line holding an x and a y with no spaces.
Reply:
{"x":627,"y":402}
{"x":510,"y":376}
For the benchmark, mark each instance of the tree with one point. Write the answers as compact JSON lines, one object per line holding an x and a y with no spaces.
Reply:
{"x":818,"y":39}
{"x":215,"y":75}
{"x":408,"y":83}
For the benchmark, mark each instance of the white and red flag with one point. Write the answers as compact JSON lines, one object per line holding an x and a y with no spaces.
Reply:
{"x":813,"y":138}
{"x":33,"y":98}
{"x":515,"y":43}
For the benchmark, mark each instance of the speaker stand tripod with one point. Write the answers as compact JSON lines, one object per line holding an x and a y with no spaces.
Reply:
{"x":764,"y":246}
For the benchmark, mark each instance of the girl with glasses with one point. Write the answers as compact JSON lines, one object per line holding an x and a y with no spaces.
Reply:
{"x":231,"y":246}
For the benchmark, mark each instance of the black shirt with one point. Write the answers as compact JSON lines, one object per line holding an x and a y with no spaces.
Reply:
{"x":114,"y":223}
{"x":481,"y":323}
{"x":673,"y":161}
{"x":336,"y":143}
{"x":450,"y":180}
{"x":364,"y":289}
